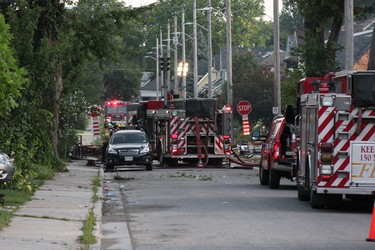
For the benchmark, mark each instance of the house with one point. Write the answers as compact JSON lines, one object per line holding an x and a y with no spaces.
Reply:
{"x":362,"y":39}
{"x":148,"y":87}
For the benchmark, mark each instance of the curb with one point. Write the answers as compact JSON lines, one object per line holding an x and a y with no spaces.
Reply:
{"x":97,"y":209}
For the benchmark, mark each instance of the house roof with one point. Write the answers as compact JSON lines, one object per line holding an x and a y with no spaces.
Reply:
{"x":362,"y":40}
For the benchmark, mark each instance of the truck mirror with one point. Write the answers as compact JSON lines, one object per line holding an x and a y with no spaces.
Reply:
{"x":255,"y":136}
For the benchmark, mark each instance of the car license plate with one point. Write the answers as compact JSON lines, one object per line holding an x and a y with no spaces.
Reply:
{"x":128,"y":158}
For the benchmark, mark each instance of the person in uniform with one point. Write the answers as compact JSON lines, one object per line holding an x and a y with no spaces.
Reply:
{"x":105,"y":136}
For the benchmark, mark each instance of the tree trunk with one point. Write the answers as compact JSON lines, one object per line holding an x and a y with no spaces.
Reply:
{"x":56,"y":108}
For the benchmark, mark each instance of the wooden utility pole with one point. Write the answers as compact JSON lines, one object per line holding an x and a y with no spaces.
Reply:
{"x":276,"y":47}
{"x":229,"y":55}
{"x":349,"y":38}
{"x":195,"y":49}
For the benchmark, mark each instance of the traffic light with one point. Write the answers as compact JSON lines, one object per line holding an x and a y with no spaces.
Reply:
{"x":161,"y":63}
{"x":168,"y":63}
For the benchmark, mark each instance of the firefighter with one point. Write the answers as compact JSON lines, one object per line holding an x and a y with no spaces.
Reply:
{"x":105,"y":136}
{"x":114,"y":129}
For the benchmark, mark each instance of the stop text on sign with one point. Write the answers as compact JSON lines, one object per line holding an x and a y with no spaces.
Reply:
{"x":245,"y":108}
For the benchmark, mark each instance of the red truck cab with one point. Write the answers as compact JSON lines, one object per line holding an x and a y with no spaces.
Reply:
{"x":278,"y":155}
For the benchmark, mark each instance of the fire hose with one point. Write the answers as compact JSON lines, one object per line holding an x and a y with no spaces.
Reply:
{"x":200,"y":145}
{"x":239,"y":161}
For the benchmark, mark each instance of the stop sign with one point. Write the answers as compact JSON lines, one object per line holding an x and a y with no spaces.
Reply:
{"x":244,"y":107}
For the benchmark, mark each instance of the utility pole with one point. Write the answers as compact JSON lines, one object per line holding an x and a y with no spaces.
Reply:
{"x":349,"y":38}
{"x":183,"y":87}
{"x":175,"y":41}
{"x":195,"y":49}
{"x":229,"y":55}
{"x":276,"y":41}
{"x":209,"y":59}
{"x":162,"y":74}
{"x":169,"y":56}
{"x":229,"y":63}
{"x":157,"y":68}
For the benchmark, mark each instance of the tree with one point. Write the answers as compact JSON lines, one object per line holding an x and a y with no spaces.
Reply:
{"x":318,"y":51}
{"x":249,"y":76}
{"x":12,"y":78}
{"x":291,"y":22}
{"x":56,"y":45}
{"x":289,"y":87}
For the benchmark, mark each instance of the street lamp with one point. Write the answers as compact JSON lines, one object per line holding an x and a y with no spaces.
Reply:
{"x":182,"y":70}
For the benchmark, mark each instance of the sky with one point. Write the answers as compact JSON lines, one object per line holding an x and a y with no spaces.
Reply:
{"x":268,"y":4}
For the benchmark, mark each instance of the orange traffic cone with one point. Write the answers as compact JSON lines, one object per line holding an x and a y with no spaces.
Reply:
{"x":371,"y":236}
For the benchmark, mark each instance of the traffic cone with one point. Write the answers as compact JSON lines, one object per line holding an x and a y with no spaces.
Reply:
{"x":371,"y":236}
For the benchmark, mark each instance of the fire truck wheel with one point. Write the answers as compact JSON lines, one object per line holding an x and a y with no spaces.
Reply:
{"x":108,"y":168}
{"x":303,"y":194}
{"x":161,"y":159}
{"x":149,"y":167}
{"x":263,"y":175}
{"x":172,"y":162}
{"x":215,"y":162}
{"x":316,"y":200}
{"x":274,"y":180}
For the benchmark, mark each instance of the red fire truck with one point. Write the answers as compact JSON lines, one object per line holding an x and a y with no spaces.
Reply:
{"x":189,"y":130}
{"x":336,"y":126}
{"x":115,"y":111}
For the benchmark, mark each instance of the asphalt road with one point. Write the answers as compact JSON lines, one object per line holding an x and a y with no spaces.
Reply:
{"x":222,"y":208}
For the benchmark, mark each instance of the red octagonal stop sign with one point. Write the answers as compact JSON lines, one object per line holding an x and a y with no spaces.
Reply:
{"x":244,"y":107}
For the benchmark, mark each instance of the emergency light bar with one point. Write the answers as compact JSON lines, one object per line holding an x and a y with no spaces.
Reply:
{"x":116,"y":103}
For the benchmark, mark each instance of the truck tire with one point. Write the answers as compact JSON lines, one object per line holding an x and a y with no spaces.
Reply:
{"x":171,"y":162}
{"x":303,"y":194}
{"x":161,"y":158}
{"x":108,"y":167}
{"x":274,"y":180}
{"x":316,"y":200}
{"x":217,"y":162}
{"x":263,"y":175}
{"x":149,"y":167}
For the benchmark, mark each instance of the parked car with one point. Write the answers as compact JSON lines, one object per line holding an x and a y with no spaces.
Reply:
{"x":7,"y":168}
{"x":128,"y":147}
{"x":278,"y":156}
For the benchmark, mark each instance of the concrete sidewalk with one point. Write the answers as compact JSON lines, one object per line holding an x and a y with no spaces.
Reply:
{"x":53,"y":218}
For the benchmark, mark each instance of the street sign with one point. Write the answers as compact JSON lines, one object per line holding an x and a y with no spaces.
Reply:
{"x":244,"y":108}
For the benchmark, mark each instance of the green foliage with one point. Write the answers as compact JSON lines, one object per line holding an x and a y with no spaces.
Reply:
{"x":289,"y":87}
{"x":88,"y":228}
{"x":291,"y":22}
{"x":13,"y":198}
{"x":122,"y":84}
{"x":252,"y":83}
{"x":317,"y":53}
{"x":12,"y":78}
{"x":5,"y":218}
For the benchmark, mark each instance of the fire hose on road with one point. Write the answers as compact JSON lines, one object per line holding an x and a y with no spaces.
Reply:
{"x":236,"y":159}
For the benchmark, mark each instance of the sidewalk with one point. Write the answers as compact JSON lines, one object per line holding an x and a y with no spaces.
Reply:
{"x":53,"y":218}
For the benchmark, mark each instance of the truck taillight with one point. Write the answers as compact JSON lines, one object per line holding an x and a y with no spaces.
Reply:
{"x":326,"y":160}
{"x":174,"y":139}
{"x":227,"y":145}
{"x":174,"y":149}
{"x":276,"y":151}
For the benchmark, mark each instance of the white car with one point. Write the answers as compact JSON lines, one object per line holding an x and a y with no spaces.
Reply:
{"x":7,"y":169}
